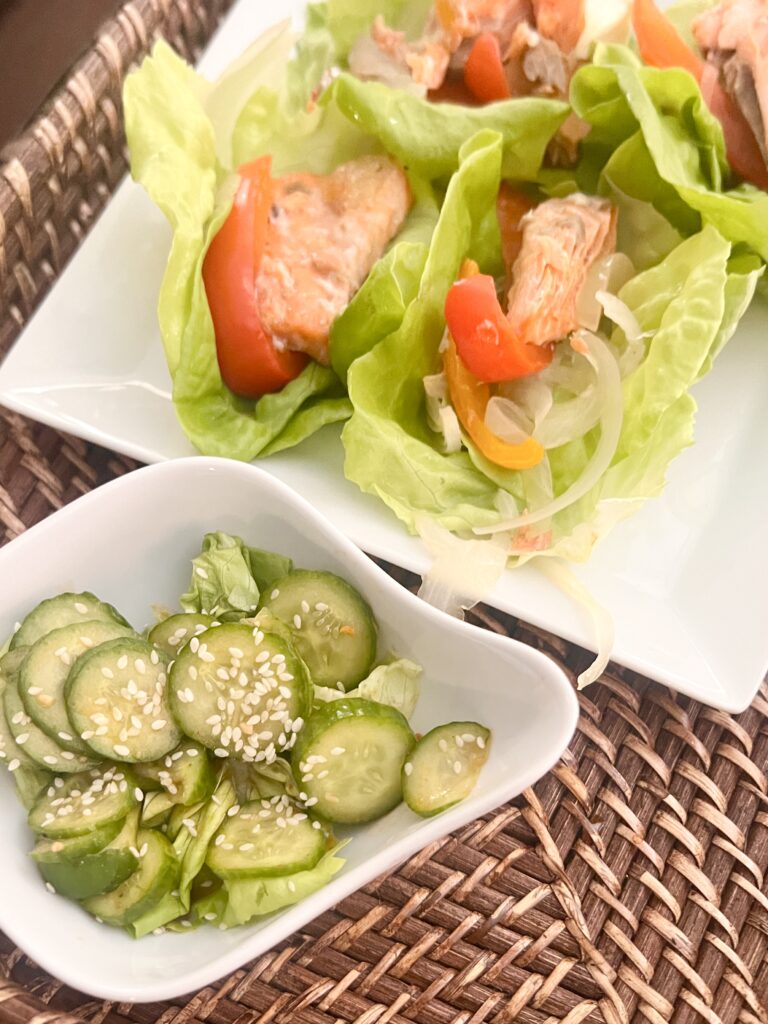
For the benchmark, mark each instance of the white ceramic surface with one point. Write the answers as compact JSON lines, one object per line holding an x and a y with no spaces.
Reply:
{"x":131,"y":542}
{"x":684,"y":578}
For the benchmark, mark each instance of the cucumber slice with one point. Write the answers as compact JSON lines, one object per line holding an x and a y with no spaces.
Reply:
{"x":333,"y":626}
{"x":44,"y":672}
{"x":11,"y":754}
{"x":264,"y":839}
{"x":117,"y":698}
{"x":156,"y":810}
{"x":173,"y":633}
{"x":30,"y":783}
{"x":444,"y":766}
{"x":63,"y":610}
{"x":84,"y":802}
{"x":349,"y":757}
{"x":155,"y":877}
{"x":185,"y":776}
{"x":94,"y":873}
{"x":50,"y":851}
{"x":240,"y":692}
{"x":38,"y":745}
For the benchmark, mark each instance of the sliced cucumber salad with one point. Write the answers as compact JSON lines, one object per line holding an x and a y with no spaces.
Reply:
{"x":192,"y":772}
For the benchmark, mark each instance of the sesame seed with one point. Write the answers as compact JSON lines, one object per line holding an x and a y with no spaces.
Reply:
{"x":305,"y":607}
{"x":49,"y":758}
{"x":457,"y":767}
{"x":81,"y":608}
{"x":297,"y":621}
{"x":140,"y":666}
{"x":219,"y":752}
{"x":121,"y":750}
{"x":122,"y":661}
{"x":34,"y":690}
{"x":316,"y":824}
{"x":407,"y":767}
{"x":154,"y":657}
{"x":14,"y":764}
{"x":442,"y":745}
{"x":50,"y":888}
{"x":274,"y":595}
{"x":201,"y":572}
{"x":219,"y":839}
{"x":480,"y":742}
{"x":159,"y":723}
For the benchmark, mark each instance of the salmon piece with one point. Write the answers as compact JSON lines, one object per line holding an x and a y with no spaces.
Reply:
{"x":734,"y":37}
{"x":323,"y":237}
{"x":562,"y":238}
{"x":562,"y":21}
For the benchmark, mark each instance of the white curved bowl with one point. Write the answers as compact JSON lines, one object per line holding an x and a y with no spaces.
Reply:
{"x":130,"y":542}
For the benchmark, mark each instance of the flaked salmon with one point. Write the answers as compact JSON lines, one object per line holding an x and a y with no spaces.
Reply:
{"x":561,"y":239}
{"x":734,"y":37}
{"x":323,"y":237}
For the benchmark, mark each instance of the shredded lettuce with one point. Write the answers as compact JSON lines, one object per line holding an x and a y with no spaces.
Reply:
{"x":396,"y":682}
{"x":228,"y":577}
{"x":256,"y":897}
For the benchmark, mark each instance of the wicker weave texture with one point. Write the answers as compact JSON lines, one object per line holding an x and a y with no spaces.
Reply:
{"x":56,"y":178}
{"x":627,"y":886}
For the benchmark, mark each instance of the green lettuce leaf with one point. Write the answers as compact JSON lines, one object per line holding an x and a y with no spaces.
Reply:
{"x":662,"y":145}
{"x":348,"y":19}
{"x":259,"y":896}
{"x":427,"y":137}
{"x":228,"y":577}
{"x":395,"y":682}
{"x":390,"y":451}
{"x":180,"y":128}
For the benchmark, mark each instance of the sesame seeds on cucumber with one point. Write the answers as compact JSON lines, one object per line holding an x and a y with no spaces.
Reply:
{"x":193,"y":773}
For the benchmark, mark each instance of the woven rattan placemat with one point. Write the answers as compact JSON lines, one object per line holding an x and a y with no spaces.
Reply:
{"x":628,"y":885}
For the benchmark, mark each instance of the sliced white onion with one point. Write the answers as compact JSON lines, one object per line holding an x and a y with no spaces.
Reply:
{"x":571,"y":419}
{"x":602,"y":621}
{"x":611,"y":417}
{"x":532,"y":395}
{"x":608,"y":274}
{"x":440,"y":415}
{"x":621,"y":315}
{"x":507,"y":421}
{"x":368,"y":61}
{"x":450,"y":428}
{"x":463,"y":572}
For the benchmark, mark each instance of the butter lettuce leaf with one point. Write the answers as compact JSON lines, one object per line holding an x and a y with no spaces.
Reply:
{"x":661,"y":143}
{"x":228,"y":577}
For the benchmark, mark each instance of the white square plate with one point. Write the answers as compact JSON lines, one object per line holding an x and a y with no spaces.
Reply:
{"x":131,"y":542}
{"x":683,"y":579}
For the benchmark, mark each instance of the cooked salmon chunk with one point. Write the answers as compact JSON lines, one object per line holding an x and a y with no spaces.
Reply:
{"x":562,"y":238}
{"x":323,"y":237}
{"x":734,"y":37}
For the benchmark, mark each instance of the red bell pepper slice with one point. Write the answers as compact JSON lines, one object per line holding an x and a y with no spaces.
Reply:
{"x":250,"y":364}
{"x":485,"y":339}
{"x":484,"y":73}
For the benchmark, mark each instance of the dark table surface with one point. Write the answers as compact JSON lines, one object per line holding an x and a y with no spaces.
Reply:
{"x":39,"y":41}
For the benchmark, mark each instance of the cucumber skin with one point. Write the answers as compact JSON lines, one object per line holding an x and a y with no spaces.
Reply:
{"x":77,"y":848}
{"x":94,"y":875}
{"x":26,"y":679}
{"x":302,"y":684}
{"x":20,"y":637}
{"x":164,"y":881}
{"x":215,"y":855}
{"x":337,"y":711}
{"x":355,"y":598}
{"x":124,"y":807}
{"x":407,"y":779}
{"x":82,"y":664}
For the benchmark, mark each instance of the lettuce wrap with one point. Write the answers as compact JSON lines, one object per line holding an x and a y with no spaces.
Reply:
{"x":187,"y":137}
